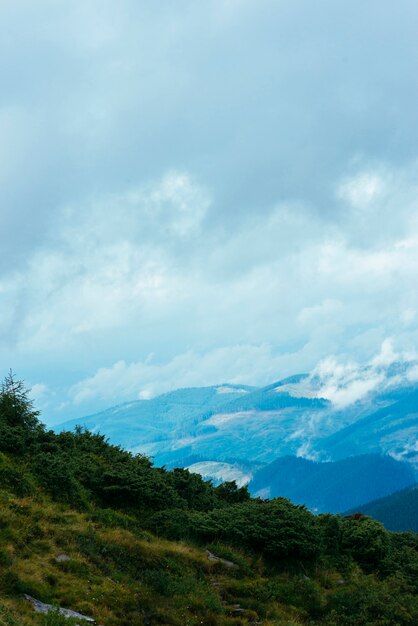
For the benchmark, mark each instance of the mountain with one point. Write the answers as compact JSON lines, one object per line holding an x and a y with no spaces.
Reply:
{"x":241,"y":424}
{"x":221,"y":423}
{"x":398,"y":512}
{"x":256,"y":428}
{"x":333,"y":486}
{"x":146,"y":425}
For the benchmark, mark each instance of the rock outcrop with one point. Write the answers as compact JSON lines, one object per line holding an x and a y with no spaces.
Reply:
{"x":41,"y":607}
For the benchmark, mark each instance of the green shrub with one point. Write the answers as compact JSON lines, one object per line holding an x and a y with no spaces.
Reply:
{"x":171,"y":523}
{"x":365,"y":540}
{"x":373,"y":602}
{"x":278,"y":529}
{"x":14,"y":478}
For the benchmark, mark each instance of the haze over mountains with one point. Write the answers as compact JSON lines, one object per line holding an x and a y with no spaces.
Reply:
{"x":297,"y":437}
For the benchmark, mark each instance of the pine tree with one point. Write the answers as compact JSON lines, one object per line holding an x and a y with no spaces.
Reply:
{"x":18,"y":417}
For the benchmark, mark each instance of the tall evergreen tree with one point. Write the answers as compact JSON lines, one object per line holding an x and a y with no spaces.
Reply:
{"x":18,"y":417}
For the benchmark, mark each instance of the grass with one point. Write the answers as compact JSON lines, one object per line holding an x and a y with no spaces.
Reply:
{"x":116,"y":573}
{"x":121,"y":575}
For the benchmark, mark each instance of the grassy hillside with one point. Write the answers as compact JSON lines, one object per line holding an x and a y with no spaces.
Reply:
{"x":87,"y":526}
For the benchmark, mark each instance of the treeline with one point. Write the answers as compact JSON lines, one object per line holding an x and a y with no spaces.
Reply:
{"x":82,"y":470}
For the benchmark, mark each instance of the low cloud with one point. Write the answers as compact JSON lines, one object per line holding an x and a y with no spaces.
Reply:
{"x":344,"y":383}
{"x":341,"y":382}
{"x":143,"y":380}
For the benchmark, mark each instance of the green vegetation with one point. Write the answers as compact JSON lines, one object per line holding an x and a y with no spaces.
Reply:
{"x":88,"y":526}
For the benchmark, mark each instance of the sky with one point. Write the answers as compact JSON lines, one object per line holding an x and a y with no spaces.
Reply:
{"x":195,"y":193}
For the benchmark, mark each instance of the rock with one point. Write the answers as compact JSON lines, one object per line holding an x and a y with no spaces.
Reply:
{"x":237,"y":610}
{"x":41,"y":607}
{"x":61,"y":558}
{"x":213,"y":557}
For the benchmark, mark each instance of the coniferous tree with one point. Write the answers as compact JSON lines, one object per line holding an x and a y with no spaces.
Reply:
{"x":18,"y":417}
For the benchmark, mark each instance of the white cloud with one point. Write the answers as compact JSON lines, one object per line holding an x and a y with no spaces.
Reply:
{"x":351,"y":392}
{"x":138,"y":271}
{"x":386,"y":356}
{"x":321,"y":312}
{"x":156,"y":199}
{"x":43,"y":397}
{"x":344,"y":383}
{"x":362,"y":190}
{"x":236,"y":364}
{"x":408,"y":316}
{"x":106,"y":261}
{"x":38,"y":392}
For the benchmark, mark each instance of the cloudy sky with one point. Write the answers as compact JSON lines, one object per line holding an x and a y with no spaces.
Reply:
{"x":201,"y":192}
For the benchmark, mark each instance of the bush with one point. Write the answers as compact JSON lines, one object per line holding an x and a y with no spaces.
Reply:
{"x":364,"y":540}
{"x":172,"y":524}
{"x":14,"y":478}
{"x":373,"y":602}
{"x":56,"y":473}
{"x":279,"y":529}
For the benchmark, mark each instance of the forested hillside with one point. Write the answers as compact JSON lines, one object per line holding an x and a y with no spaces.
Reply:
{"x":90,"y":527}
{"x":333,"y":486}
{"x":399,"y":511}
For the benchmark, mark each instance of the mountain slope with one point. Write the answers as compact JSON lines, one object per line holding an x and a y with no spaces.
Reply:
{"x":142,"y":423}
{"x":334,"y":486}
{"x":398,"y":512}
{"x":242,"y":423}
{"x":391,"y":429}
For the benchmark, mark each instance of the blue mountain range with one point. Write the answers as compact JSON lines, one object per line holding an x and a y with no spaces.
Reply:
{"x":282,"y":439}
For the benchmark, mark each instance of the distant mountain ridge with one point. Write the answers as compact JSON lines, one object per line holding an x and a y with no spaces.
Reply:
{"x":261,"y":424}
{"x":139,"y":424}
{"x":228,"y":432}
{"x":333,"y":486}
